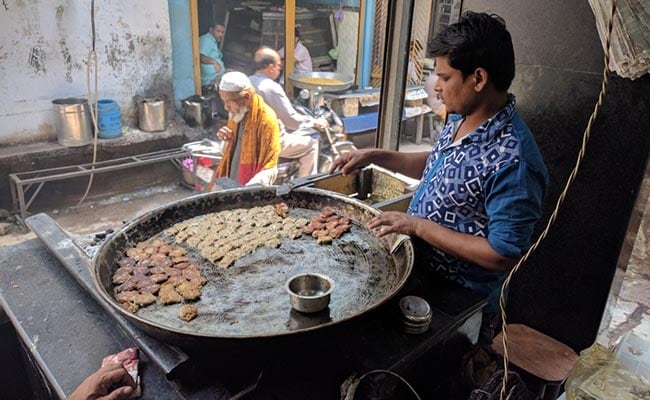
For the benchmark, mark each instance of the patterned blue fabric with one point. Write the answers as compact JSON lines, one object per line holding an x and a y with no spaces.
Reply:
{"x":490,"y":184}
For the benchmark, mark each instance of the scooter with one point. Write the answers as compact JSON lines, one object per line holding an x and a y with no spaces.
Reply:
{"x":332,"y":143}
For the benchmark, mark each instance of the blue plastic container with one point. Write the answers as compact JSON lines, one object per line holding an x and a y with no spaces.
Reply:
{"x":109,"y":119}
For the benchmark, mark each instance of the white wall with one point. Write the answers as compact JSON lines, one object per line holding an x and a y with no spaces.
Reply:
{"x":44,"y":45}
{"x":348,"y":42}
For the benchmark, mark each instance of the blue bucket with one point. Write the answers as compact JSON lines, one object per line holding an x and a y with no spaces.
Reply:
{"x":109,"y":119}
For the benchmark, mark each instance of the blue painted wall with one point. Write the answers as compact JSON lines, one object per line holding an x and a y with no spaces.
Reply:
{"x":366,"y":45}
{"x":182,"y":68}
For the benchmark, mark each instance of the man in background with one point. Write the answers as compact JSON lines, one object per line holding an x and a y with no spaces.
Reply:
{"x":268,"y":67}
{"x":302,"y":58}
{"x":212,"y":67}
{"x":252,"y":135}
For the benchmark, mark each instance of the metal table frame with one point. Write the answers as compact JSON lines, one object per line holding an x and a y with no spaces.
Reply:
{"x":22,"y":182}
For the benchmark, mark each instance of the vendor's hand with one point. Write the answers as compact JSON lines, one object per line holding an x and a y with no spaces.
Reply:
{"x":320,"y":123}
{"x":393,"y":222}
{"x":111,"y":382}
{"x":217,"y":67}
{"x":225,"y":134}
{"x":352,"y":162}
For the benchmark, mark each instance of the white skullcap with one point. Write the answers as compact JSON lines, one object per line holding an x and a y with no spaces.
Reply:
{"x":234,"y":82}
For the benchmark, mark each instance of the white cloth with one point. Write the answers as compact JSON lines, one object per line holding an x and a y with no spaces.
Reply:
{"x":265,"y":177}
{"x":234,"y":81}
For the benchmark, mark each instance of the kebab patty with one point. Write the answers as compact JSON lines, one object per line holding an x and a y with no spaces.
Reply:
{"x":154,"y":271}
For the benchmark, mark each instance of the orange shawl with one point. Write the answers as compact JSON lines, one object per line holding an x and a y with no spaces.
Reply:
{"x":260,"y":147}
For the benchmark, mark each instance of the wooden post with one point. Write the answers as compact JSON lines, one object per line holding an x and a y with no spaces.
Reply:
{"x":289,"y":43}
{"x":196,"y":53}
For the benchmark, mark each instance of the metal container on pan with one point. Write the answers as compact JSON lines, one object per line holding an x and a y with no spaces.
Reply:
{"x":248,"y":301}
{"x":310,"y":293}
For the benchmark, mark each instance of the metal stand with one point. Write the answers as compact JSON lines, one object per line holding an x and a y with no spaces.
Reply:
{"x":25,"y":186}
{"x":204,"y":149}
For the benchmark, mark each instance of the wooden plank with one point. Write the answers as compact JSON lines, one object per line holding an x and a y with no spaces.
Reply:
{"x":537,"y":353}
{"x":289,"y":43}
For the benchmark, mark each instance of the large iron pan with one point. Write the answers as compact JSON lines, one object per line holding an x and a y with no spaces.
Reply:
{"x":337,"y":81}
{"x":248,"y":300}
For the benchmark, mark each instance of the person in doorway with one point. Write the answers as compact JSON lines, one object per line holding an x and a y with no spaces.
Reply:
{"x":438,"y":110}
{"x":433,"y":99}
{"x":301,"y":56}
{"x":252,"y":135}
{"x":268,"y":67}
{"x":111,"y":382}
{"x":212,"y":67}
{"x":483,"y":184}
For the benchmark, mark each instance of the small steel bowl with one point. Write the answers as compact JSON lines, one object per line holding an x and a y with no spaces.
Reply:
{"x":310,"y":293}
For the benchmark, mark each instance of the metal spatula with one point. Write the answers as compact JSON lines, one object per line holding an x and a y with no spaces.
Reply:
{"x":298,"y":182}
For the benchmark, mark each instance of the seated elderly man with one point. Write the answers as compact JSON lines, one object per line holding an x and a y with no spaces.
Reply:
{"x":252,"y":135}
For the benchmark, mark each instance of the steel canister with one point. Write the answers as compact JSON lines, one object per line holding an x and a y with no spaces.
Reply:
{"x":415,"y":314}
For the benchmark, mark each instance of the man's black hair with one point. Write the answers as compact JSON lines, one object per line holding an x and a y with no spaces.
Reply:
{"x":478,"y":40}
{"x":296,"y":33}
{"x":265,"y":60}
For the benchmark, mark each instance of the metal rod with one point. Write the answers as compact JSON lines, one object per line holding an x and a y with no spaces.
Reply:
{"x":171,"y":153}
{"x":33,"y":196}
{"x":14,"y":195}
{"x":21,"y":201}
{"x":103,"y":169}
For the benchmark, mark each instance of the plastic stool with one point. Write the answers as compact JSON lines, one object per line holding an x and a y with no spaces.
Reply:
{"x":539,"y":355}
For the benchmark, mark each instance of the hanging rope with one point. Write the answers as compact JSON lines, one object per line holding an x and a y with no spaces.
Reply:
{"x":92,"y":97}
{"x":560,"y":201}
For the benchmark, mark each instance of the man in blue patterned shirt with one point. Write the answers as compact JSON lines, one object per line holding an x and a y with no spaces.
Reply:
{"x":482,"y":186}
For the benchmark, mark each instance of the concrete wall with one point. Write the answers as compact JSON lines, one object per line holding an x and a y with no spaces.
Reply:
{"x":563,"y":288}
{"x":44,"y":47}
